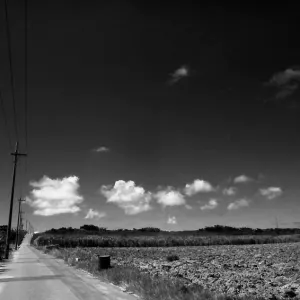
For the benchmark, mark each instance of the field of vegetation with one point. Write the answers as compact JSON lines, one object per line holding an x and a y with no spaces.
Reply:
{"x":171,"y":266}
{"x":92,"y":236}
{"x":159,"y":241}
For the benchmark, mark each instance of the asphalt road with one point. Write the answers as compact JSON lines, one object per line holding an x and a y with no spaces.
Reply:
{"x":32,"y":275}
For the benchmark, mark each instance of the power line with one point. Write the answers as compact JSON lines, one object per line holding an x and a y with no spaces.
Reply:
{"x":11,"y":69}
{"x":25,"y":70}
{"x":26,"y":79}
{"x":5,"y":122}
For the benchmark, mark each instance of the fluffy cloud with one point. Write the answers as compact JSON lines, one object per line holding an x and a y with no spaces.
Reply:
{"x":212,"y":203}
{"x":170,"y":197}
{"x":133,"y":199}
{"x":271,"y":192}
{"x":101,"y":149}
{"x":230,"y":191}
{"x":242,"y":178}
{"x":287,"y":82}
{"x":55,"y":196}
{"x":94,"y":214}
{"x":237,"y":204}
{"x":198,"y":186}
{"x":172,"y":220}
{"x":178,"y":74}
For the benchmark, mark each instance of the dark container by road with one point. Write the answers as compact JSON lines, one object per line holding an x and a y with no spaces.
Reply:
{"x":104,"y":262}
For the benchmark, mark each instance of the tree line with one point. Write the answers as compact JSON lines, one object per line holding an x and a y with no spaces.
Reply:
{"x":216,"y":229}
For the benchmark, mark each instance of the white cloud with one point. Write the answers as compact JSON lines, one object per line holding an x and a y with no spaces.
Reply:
{"x":170,"y":197}
{"x":178,"y":74}
{"x":237,"y":204}
{"x":133,"y":199}
{"x":287,"y":82}
{"x":242,"y":178}
{"x":101,"y":149}
{"x":55,"y":196}
{"x":198,"y":186}
{"x":282,"y":78}
{"x":212,"y":203}
{"x":172,"y":220}
{"x":271,"y":192}
{"x":94,"y":214}
{"x":230,"y":191}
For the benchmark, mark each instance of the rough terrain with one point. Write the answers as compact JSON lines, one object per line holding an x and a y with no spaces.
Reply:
{"x":31,"y":275}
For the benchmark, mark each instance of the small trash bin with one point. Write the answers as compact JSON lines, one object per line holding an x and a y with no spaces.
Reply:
{"x":104,"y":262}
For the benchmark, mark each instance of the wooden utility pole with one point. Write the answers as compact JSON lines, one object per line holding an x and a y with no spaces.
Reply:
{"x":21,"y":226}
{"x":15,"y":154}
{"x":18,"y":229}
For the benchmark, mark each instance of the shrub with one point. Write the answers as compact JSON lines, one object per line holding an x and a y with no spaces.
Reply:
{"x":172,"y":257}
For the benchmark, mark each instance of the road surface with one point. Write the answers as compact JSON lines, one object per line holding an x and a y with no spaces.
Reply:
{"x":32,"y":275}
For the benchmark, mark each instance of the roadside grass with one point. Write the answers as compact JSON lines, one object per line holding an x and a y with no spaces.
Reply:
{"x":146,"y":287}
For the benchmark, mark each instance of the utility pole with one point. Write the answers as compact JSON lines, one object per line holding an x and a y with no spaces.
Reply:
{"x":21,"y":226}
{"x":18,"y":229}
{"x":15,"y":154}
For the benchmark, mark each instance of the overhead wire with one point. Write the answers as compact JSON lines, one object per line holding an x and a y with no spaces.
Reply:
{"x":11,"y":69}
{"x":5,"y":122}
{"x":25,"y":88}
{"x":25,"y":71}
{"x":12,"y":84}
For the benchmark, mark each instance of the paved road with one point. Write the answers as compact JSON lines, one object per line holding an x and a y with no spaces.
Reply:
{"x":32,"y":275}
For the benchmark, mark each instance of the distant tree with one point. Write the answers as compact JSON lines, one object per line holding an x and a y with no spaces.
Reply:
{"x":216,"y":228}
{"x":90,"y":228}
{"x":62,"y":229}
{"x":246,"y":230}
{"x":149,"y":229}
{"x":102,"y":229}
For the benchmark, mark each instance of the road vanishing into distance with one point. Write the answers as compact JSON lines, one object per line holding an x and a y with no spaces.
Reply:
{"x":32,"y":275}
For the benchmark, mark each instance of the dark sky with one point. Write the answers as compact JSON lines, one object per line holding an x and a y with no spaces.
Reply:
{"x":99,"y":76}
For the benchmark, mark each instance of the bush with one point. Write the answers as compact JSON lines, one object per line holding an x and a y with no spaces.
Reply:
{"x":172,"y":257}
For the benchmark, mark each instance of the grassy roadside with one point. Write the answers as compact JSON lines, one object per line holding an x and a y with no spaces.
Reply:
{"x":12,"y":242}
{"x":142,"y":284}
{"x":11,"y":252}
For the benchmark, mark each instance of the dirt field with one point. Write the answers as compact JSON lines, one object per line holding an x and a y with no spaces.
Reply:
{"x":257,"y":270}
